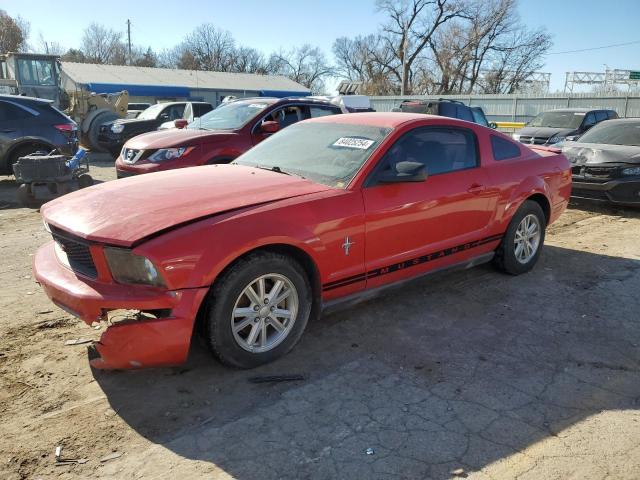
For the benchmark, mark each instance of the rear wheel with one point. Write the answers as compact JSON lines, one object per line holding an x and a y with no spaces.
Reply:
{"x":94,"y":129}
{"x":258,"y":310}
{"x":522,"y":243}
{"x":85,"y":180}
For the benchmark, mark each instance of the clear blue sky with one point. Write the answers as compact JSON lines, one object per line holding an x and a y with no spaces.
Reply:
{"x":272,"y":25}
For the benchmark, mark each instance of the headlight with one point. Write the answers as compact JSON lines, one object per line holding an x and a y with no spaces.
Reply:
{"x":117,"y":128}
{"x":555,"y":139}
{"x":516,"y":136}
{"x":165,"y":154}
{"x":631,"y":171}
{"x":127,"y":267}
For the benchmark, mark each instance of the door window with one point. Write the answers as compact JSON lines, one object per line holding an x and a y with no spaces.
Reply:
{"x":173,"y":112}
{"x":589,"y":120}
{"x":285,"y":116}
{"x":439,"y":149}
{"x":36,"y":72}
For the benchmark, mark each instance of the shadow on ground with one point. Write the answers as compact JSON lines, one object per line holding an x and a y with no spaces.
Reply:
{"x":456,"y":371}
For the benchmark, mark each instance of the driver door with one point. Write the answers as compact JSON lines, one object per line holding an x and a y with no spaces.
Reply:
{"x":407,"y":220}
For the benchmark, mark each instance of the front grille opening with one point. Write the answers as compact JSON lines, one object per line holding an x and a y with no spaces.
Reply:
{"x":78,"y":254}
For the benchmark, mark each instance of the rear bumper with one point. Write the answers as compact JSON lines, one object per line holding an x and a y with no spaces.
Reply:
{"x":131,"y":343}
{"x":624,"y":192}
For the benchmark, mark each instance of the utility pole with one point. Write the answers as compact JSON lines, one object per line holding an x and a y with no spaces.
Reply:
{"x":129,"y":38}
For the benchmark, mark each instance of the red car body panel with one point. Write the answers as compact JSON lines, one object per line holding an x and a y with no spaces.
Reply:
{"x":219,"y":213}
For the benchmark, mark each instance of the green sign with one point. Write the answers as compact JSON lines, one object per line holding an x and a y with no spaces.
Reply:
{"x":634,"y":75}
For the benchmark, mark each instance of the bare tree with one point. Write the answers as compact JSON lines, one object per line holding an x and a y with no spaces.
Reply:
{"x":411,"y":24}
{"x":14,"y":33}
{"x":306,"y":65}
{"x":143,"y":58}
{"x":50,"y":48}
{"x":103,"y":45}
{"x":207,"y":48}
{"x":249,"y":60}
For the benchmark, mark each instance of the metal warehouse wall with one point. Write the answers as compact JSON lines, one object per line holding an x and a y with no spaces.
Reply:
{"x":516,"y":108}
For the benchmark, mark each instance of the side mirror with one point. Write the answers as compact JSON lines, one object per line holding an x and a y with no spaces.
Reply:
{"x":571,"y":138}
{"x":180,"y":123}
{"x":405,"y":172}
{"x":493,"y":125}
{"x":164,"y":116}
{"x":269,"y":127}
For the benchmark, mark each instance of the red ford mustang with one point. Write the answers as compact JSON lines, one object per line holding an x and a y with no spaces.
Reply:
{"x":326,"y":210}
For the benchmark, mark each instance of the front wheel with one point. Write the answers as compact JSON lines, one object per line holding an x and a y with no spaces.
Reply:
{"x":522,"y":243}
{"x":258,"y":310}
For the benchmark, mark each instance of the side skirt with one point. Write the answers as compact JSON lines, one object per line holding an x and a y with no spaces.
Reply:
{"x":359,"y":297}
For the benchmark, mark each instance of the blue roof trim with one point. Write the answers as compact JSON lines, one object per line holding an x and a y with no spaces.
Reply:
{"x":284,"y":93}
{"x":140,"y":90}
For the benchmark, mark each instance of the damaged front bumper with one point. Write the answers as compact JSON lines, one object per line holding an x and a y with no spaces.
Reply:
{"x":133,"y":343}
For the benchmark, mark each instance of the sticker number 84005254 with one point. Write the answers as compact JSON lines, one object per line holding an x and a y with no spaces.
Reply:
{"x":354,"y":142}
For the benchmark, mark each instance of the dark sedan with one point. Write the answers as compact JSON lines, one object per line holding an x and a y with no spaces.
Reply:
{"x":556,"y":126}
{"x":605,"y":162}
{"x":28,"y":125}
{"x":113,"y":135}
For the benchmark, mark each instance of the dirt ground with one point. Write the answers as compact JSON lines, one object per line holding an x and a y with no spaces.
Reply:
{"x":472,"y":374}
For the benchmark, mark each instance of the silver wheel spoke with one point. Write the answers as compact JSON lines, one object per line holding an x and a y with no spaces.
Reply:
{"x":275,"y":323}
{"x":253,"y":335}
{"x":243,"y":312}
{"x":275,"y":291}
{"x":280,"y":313}
{"x":242,"y":325}
{"x":253,"y":296}
{"x":282,"y":297}
{"x":263,"y":334}
{"x":261,"y":290}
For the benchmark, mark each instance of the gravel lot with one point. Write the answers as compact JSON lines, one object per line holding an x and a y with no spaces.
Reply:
{"x":472,"y":373}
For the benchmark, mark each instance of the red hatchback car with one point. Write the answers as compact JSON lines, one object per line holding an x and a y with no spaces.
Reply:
{"x":326,"y":210}
{"x":218,"y":136}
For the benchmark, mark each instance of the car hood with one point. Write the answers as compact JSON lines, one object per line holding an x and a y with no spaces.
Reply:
{"x":124,"y":212}
{"x":175,"y":137}
{"x":544,"y":132}
{"x":597,"y":153}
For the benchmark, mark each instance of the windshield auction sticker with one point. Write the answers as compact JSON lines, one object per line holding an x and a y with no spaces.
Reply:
{"x":354,"y":142}
{"x":257,"y":105}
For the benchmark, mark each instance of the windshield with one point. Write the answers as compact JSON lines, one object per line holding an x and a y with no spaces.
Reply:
{"x":152,"y":112}
{"x":229,"y":116}
{"x":327,"y":153}
{"x":557,"y":120}
{"x":613,"y":133}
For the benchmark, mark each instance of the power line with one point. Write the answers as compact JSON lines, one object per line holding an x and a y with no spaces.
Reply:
{"x":595,"y":48}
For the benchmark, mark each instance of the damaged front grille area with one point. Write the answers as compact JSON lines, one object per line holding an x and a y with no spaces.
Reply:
{"x":77,"y":251}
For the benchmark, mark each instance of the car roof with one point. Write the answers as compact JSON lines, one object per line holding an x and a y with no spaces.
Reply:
{"x":383,"y":119}
{"x":23,"y":97}
{"x":577,"y":110}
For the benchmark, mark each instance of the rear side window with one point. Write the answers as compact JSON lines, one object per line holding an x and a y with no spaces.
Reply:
{"x":504,"y":149}
{"x":448,"y":109}
{"x":9,"y":111}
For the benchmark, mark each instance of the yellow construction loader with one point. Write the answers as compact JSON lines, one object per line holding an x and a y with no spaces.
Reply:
{"x":41,"y":76}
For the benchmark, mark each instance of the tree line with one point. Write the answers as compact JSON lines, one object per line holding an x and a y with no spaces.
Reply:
{"x":422,"y":47}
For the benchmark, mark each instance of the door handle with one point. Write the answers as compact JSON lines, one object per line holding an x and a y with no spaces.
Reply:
{"x":476,"y":189}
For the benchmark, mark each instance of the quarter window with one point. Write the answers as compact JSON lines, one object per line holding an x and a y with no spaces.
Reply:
{"x":504,"y":149}
{"x":601,"y":115}
{"x":440,"y":149}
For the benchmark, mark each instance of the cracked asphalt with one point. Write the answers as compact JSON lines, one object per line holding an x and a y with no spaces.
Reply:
{"x":473,"y":374}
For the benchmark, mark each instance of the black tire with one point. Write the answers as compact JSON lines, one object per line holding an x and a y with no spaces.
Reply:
{"x":226,"y":291}
{"x":94,"y":129}
{"x":505,"y":257}
{"x":23,"y":152}
{"x":25,"y":197}
{"x":85,"y":180}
